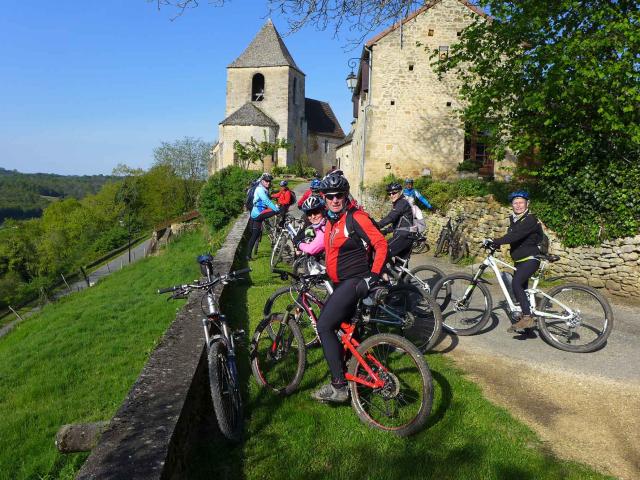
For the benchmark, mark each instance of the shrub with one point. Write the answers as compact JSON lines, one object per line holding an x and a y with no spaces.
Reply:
{"x":223,"y":196}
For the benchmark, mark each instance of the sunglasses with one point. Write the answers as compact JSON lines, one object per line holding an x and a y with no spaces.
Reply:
{"x":331,"y":196}
{"x":394,"y":193}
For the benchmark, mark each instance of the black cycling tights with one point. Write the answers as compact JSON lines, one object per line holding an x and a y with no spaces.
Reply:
{"x":339,"y":308}
{"x":256,"y":228}
{"x":521,"y":278}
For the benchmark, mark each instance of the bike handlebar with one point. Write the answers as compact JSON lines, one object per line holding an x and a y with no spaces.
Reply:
{"x":200,"y":286}
{"x":169,"y":289}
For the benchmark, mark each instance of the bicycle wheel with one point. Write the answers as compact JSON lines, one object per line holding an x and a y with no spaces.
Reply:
{"x":442,"y":245}
{"x":288,"y":253}
{"x":585,"y":328}
{"x":282,"y":301}
{"x":463,"y":317}
{"x":276,"y":253}
{"x":225,"y":392}
{"x":420,"y":246}
{"x":403,"y":404}
{"x":411,"y":311}
{"x":458,"y":249}
{"x":278,"y":363}
{"x":424,"y":277}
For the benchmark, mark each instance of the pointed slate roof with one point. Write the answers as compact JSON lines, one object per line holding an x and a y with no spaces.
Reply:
{"x":266,"y":50}
{"x":249,"y":114}
{"x":321,"y":119}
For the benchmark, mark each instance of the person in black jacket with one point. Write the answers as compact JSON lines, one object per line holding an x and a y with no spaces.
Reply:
{"x":523,"y":236}
{"x":400,"y":220}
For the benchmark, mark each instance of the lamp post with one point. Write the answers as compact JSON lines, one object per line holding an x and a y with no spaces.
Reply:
{"x":351,"y":79}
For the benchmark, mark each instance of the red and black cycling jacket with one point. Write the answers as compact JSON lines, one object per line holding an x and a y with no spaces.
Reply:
{"x":345,"y":255}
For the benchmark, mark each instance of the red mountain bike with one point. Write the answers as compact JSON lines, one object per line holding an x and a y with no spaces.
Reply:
{"x":389,"y":380}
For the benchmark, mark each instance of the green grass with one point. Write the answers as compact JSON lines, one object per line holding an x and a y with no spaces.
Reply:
{"x":77,"y":359}
{"x":294,"y":437}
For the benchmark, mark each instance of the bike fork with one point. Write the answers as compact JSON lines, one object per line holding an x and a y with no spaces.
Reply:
{"x":472,"y":286}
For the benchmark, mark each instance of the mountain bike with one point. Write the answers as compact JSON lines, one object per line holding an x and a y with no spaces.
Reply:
{"x":224,"y":383}
{"x":571,"y":317}
{"x":420,"y":244}
{"x":452,"y":241}
{"x":389,"y":379}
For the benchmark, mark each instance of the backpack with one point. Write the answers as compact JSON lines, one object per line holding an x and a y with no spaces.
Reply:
{"x":543,"y":245}
{"x":294,"y":199}
{"x":248,"y":202}
{"x":352,"y":233}
{"x":419,"y":223}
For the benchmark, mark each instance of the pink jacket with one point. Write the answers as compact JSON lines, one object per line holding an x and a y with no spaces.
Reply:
{"x":317,"y":244}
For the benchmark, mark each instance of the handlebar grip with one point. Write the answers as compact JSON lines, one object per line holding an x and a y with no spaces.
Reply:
{"x":241,"y":271}
{"x":168,"y":289}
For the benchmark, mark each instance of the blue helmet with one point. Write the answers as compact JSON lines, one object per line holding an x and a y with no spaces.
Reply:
{"x":518,"y":194}
{"x":315,"y":183}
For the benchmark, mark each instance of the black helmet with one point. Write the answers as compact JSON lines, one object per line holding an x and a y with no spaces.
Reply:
{"x":266,"y":176}
{"x":334,"y":183}
{"x":394,"y":187}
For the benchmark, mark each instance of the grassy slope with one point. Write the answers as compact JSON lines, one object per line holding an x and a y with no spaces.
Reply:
{"x":77,"y":360}
{"x":295,"y":437}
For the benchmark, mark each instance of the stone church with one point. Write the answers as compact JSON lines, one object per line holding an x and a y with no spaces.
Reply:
{"x":266,"y":100}
{"x":405,"y":117}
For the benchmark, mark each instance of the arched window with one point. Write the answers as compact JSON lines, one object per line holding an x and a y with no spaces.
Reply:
{"x":257,"y":88}
{"x":295,"y":88}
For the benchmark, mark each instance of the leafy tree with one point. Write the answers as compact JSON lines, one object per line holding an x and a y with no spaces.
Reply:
{"x":188,"y":158}
{"x":222,"y":197}
{"x":558,"y":84}
{"x":255,"y":151}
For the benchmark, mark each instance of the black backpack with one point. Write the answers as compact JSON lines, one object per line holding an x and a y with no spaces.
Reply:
{"x":248,"y":203}
{"x":543,"y":245}
{"x":294,"y":199}
{"x":353,"y":233}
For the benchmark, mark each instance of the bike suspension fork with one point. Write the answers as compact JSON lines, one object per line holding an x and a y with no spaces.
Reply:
{"x":472,"y":286}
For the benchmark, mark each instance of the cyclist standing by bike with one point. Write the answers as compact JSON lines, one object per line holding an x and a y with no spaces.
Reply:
{"x":263,"y":208}
{"x":347,"y":261}
{"x":523,"y":236}
{"x":400,"y":219}
{"x":411,"y":194}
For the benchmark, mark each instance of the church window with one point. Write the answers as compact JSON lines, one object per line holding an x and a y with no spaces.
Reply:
{"x":257,"y":88}
{"x":430,"y":32}
{"x":295,"y":87}
{"x":393,"y":102}
{"x":411,"y":67}
{"x":326,"y":146}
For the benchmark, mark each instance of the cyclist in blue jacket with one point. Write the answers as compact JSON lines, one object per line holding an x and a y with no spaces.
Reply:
{"x":412,"y":194}
{"x":263,"y":208}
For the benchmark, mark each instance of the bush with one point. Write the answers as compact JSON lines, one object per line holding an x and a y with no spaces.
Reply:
{"x":223,"y":196}
{"x":468,"y":166}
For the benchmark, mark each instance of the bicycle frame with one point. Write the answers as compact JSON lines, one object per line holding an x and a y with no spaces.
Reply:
{"x":402,"y":271}
{"x":494,"y":263}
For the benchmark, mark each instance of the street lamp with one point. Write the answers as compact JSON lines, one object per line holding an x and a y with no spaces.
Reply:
{"x":352,"y":80}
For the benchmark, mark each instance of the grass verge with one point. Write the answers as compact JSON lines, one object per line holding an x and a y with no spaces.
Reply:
{"x":77,"y":359}
{"x":294,"y":437}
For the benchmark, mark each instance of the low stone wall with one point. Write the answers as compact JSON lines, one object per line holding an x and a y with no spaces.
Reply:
{"x":614,"y":265}
{"x":151,"y":435}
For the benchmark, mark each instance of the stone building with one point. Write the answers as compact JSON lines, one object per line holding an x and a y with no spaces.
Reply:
{"x":266,"y":100}
{"x":405,"y":119}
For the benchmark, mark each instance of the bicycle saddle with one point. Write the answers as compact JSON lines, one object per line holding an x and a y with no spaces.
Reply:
{"x":548,"y":258}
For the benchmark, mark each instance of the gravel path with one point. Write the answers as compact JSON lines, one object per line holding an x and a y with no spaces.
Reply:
{"x":584,"y":406}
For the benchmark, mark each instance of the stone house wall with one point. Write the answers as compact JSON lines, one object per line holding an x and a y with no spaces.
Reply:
{"x":317,"y":157}
{"x":614,"y":265}
{"x":223,"y":153}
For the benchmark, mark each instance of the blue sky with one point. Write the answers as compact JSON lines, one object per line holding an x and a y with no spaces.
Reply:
{"x":87,"y":85}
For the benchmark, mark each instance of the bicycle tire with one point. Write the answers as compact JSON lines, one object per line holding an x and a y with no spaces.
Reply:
{"x":397,"y":378}
{"x":447,"y":293}
{"x":225,"y":394}
{"x":268,"y":355}
{"x":440,"y":245}
{"x":281,"y":301}
{"x":421,"y":315}
{"x":276,"y":253}
{"x":426,"y":281}
{"x":459,"y":250}
{"x":555,"y":332}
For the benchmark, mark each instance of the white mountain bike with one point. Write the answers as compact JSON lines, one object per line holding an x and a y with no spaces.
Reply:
{"x":571,"y":317}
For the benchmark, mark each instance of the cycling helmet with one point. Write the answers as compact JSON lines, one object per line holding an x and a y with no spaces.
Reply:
{"x":408,"y":180}
{"x":334,"y":183}
{"x":266,"y":176}
{"x":284,"y":183}
{"x":312,"y":203}
{"x":394,"y":187}
{"x":315,"y":184}
{"x":518,"y":194}
{"x":337,"y":171}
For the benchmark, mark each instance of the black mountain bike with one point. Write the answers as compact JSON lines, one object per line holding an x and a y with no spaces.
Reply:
{"x":219,"y":339}
{"x":451,"y":240}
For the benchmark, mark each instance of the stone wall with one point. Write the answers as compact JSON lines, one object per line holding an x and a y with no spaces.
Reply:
{"x":317,"y":157}
{"x":153,"y":433}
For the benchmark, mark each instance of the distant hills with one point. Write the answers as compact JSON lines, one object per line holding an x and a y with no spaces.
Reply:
{"x":25,"y":195}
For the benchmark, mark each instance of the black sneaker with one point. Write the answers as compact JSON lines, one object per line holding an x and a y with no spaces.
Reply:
{"x":330,"y":393}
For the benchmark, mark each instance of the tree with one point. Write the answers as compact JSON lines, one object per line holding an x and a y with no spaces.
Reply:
{"x":254,"y":151}
{"x":363,"y":16}
{"x":188,"y":158}
{"x":558,"y":82}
